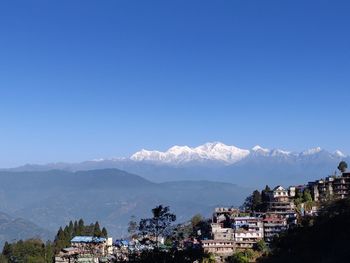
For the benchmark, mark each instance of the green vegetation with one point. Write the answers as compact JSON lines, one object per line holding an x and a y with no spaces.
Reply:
{"x":198,"y":227}
{"x":342,"y":166}
{"x":253,"y":202}
{"x":257,"y":201}
{"x":157,"y":225}
{"x":29,"y":251}
{"x":242,"y":257}
{"x":249,"y":255}
{"x":36,"y":251}
{"x":175,"y":256}
{"x":78,"y":228}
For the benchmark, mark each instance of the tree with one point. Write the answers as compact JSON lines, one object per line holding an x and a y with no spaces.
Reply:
{"x":97,"y":230}
{"x":49,"y":253}
{"x":342,"y":166}
{"x":241,"y":257}
{"x":158,"y":224}
{"x":7,"y":249}
{"x":210,"y":258}
{"x":3,"y":259}
{"x":265,"y":194}
{"x":307,"y":196}
{"x":261,"y":246}
{"x":132,"y":227}
{"x":196,"y":219}
{"x":253,"y":202}
{"x":104,"y":232}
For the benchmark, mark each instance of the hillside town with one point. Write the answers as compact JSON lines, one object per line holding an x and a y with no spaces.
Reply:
{"x":263,"y":217}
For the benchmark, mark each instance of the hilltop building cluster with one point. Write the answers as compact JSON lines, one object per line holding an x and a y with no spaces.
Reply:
{"x":235,"y":229}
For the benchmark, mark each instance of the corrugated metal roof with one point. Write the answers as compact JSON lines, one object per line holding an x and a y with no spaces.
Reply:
{"x":88,"y":239}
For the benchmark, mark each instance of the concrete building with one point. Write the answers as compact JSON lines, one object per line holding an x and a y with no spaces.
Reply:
{"x":222,"y":248}
{"x":280,"y":201}
{"x":247,"y":231}
{"x":273,"y":226}
{"x":224,"y":213}
{"x":332,"y":187}
{"x":87,"y":249}
{"x":221,"y":233}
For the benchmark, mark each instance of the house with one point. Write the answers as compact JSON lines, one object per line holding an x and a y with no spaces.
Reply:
{"x":93,"y":245}
{"x":222,"y":248}
{"x":280,"y":201}
{"x":219,"y":232}
{"x":273,"y":226}
{"x":221,"y":214}
{"x":247,"y":231}
{"x":279,"y":194}
{"x":292,"y":191}
{"x":337,"y":187}
{"x":248,"y":222}
{"x":66,"y":255}
{"x":246,"y":239}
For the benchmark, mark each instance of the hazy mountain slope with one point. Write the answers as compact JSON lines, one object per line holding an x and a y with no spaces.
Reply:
{"x":12,"y":229}
{"x":111,"y":196}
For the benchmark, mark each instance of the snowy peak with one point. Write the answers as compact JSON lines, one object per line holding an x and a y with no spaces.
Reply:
{"x":214,"y":151}
{"x":222,"y":153}
{"x":339,"y":154}
{"x":312,"y":151}
{"x":258,"y":148}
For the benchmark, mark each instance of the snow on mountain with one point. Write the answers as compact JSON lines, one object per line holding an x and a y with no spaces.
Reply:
{"x":215,"y":151}
{"x":312,"y":151}
{"x":339,"y":154}
{"x":219,"y":152}
{"x":279,"y":152}
{"x":260,"y":149}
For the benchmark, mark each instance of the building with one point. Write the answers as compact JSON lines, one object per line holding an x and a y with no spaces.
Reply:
{"x":220,"y":233}
{"x":273,"y":226}
{"x":280,"y":201}
{"x":337,"y":187}
{"x":247,"y":231}
{"x":86,"y":249}
{"x":221,"y":214}
{"x":292,"y":191}
{"x":96,"y":245}
{"x":246,"y":239}
{"x":222,"y":248}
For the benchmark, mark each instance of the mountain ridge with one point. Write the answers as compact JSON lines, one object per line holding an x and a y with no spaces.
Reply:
{"x":208,"y":153}
{"x":111,"y":196}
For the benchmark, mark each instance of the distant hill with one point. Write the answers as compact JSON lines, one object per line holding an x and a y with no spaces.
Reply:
{"x":217,"y":162}
{"x":14,"y":229}
{"x":111,"y":196}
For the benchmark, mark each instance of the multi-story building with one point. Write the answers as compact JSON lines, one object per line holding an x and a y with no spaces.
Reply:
{"x":246,"y":239}
{"x":273,"y":226}
{"x":86,"y":249}
{"x":247,"y":231}
{"x":222,"y":214}
{"x":220,"y":233}
{"x":280,"y":201}
{"x":337,"y":187}
{"x":223,"y":248}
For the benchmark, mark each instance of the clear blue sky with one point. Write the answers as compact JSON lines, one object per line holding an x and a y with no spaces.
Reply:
{"x":88,"y":79}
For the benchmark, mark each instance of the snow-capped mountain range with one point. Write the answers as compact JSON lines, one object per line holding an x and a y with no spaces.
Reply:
{"x":220,"y":152}
{"x":216,"y":161}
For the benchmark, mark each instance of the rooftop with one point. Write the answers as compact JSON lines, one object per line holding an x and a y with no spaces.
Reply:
{"x":88,"y":239}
